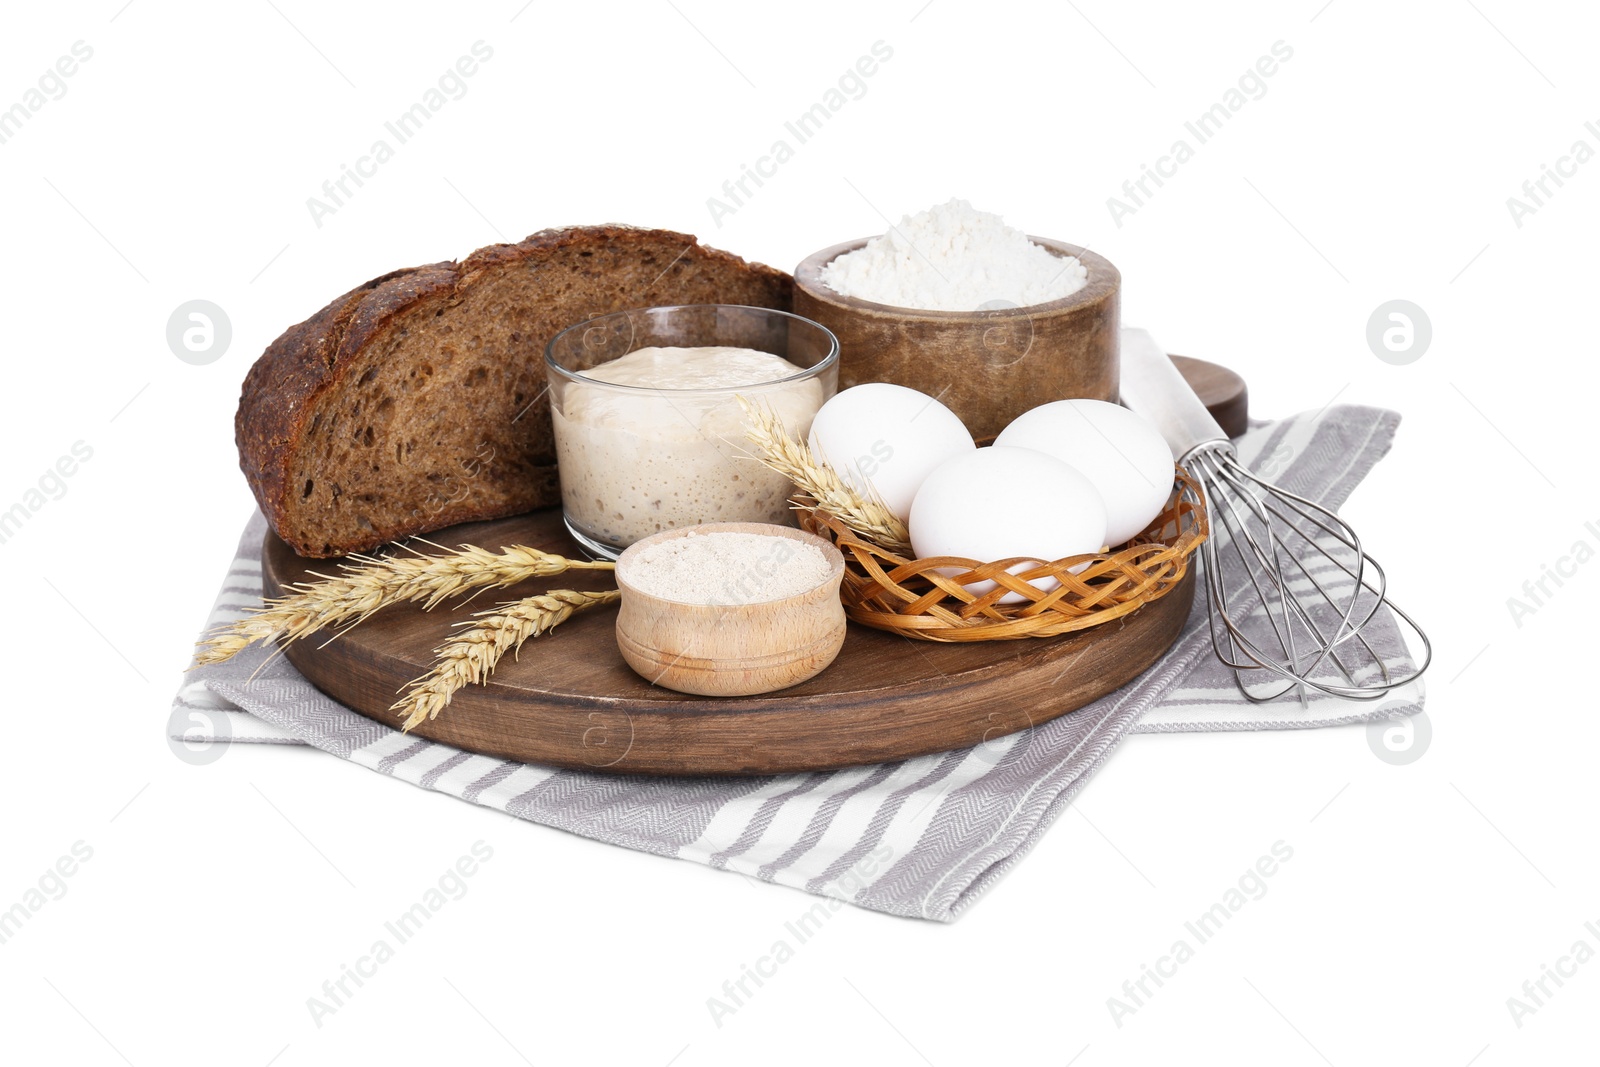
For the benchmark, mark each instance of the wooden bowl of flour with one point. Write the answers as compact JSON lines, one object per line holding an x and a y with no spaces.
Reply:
{"x":745,"y":642}
{"x":988,"y":365}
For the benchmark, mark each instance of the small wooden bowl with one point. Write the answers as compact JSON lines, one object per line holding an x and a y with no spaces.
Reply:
{"x":987,"y":366}
{"x":731,"y":649}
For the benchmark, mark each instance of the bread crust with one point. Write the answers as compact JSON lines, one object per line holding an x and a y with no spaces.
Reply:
{"x":313,"y":357}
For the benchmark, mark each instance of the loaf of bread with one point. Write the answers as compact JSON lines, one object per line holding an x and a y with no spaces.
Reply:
{"x":418,"y":400}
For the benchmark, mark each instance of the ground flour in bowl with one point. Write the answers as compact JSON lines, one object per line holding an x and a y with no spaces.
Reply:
{"x":954,"y":258}
{"x":724,"y":567}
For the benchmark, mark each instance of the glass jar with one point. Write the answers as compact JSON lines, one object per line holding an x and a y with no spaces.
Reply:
{"x":657,"y":441}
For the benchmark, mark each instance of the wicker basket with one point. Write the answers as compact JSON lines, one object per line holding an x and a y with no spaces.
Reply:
{"x":914,"y":597}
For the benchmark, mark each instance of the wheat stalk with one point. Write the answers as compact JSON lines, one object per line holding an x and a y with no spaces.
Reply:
{"x":367,"y":584}
{"x":471,"y":655}
{"x":778,"y":451}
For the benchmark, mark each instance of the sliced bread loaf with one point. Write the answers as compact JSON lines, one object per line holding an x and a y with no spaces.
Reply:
{"x":418,"y":400}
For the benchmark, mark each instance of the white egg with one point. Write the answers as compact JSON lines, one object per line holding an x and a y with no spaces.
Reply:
{"x":1122,"y":454}
{"x":1000,"y":502}
{"x":885,"y":439}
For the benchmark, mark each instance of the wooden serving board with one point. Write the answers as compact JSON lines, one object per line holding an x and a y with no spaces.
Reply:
{"x":569,"y":699}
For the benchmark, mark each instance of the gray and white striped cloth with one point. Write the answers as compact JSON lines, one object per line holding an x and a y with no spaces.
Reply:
{"x":923,"y":837}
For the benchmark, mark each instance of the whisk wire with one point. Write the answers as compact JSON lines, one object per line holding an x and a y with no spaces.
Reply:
{"x":1239,"y":535}
{"x":1297,"y":558}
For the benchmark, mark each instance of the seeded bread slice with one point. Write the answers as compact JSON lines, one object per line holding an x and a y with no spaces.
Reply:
{"x":417,"y":401}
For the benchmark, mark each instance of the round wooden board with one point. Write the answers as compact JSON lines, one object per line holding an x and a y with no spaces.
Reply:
{"x":569,"y":700}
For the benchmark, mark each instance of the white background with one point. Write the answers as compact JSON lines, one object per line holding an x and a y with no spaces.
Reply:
{"x":1377,"y":166}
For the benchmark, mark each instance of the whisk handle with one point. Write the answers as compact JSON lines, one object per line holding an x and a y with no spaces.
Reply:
{"x":1153,"y":386}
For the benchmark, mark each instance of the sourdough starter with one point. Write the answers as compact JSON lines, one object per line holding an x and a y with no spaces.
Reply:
{"x":671,"y":451}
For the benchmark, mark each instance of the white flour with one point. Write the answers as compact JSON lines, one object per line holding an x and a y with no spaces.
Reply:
{"x":725,"y":567}
{"x":954,"y":258}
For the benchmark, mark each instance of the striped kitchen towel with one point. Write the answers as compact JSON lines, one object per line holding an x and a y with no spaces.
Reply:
{"x":923,"y":837}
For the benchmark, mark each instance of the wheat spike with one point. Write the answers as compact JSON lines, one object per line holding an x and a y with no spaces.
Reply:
{"x":777,"y":450}
{"x":366,"y":584}
{"x":471,"y":656}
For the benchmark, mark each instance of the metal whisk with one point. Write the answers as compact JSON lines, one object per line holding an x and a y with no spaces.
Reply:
{"x":1290,"y":588}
